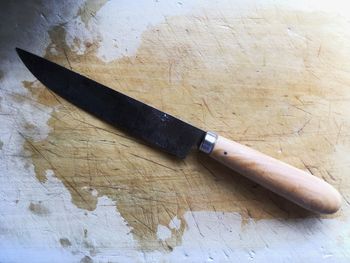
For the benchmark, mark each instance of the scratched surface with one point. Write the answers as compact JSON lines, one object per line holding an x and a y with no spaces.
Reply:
{"x":274,"y":77}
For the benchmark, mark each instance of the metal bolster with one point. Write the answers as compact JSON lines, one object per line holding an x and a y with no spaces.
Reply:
{"x":207,"y":145}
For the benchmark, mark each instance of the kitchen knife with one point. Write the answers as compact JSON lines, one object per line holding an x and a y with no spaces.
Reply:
{"x":177,"y":137}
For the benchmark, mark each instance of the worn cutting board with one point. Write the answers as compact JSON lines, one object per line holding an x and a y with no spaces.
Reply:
{"x":275,"y":79}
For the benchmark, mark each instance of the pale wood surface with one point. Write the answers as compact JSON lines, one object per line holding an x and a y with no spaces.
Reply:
{"x":298,"y":186}
{"x":274,"y":77}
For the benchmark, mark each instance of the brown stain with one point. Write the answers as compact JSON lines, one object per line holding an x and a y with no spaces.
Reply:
{"x":38,"y":209}
{"x":43,"y":96}
{"x":262,"y":80}
{"x":65,"y":242}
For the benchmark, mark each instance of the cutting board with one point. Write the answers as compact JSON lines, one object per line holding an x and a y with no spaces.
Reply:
{"x":273,"y":79}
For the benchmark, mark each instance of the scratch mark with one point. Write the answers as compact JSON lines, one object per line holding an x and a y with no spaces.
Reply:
{"x":170,"y":68}
{"x":296,"y":107}
{"x":194,"y":219}
{"x":145,"y":225}
{"x":44,"y":16}
{"x":149,"y":160}
{"x":346,"y":200}
{"x":339,"y":130}
{"x":65,"y":54}
{"x":302,"y":128}
{"x":319,"y":50}
{"x":330,"y":175}
{"x":307,"y":167}
{"x":206,"y":105}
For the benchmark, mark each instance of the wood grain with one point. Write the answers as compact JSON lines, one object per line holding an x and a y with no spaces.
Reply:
{"x":294,"y":184}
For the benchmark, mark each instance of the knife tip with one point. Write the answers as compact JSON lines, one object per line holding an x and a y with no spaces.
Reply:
{"x":23,"y":54}
{"x":19,"y":50}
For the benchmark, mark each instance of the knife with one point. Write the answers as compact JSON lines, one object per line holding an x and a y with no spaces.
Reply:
{"x":176,"y":137}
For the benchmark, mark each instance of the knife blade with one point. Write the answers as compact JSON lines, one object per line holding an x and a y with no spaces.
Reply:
{"x":177,"y":137}
{"x":138,"y":119}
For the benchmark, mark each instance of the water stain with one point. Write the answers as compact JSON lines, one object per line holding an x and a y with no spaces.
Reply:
{"x":86,"y":259}
{"x":65,"y":242}
{"x":89,"y":9}
{"x":276,"y":81}
{"x":38,"y":209}
{"x":92,"y":249}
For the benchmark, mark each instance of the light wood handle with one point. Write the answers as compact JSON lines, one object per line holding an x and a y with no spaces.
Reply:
{"x":294,"y":184}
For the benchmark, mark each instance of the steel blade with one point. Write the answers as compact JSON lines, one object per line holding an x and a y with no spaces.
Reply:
{"x":138,"y":119}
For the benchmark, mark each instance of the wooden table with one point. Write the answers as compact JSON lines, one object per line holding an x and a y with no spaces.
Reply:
{"x":275,"y":77}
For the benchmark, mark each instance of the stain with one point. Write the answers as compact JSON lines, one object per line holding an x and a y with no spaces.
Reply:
{"x":43,"y":96}
{"x":65,"y":242}
{"x":1,"y":145}
{"x":20,"y":98}
{"x":86,"y":259}
{"x":38,"y":209}
{"x":29,"y":127}
{"x":92,"y":249}
{"x":26,"y":166}
{"x":262,"y":80}
{"x":89,"y":9}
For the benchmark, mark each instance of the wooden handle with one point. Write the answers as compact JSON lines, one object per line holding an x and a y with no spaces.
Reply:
{"x":294,"y":184}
